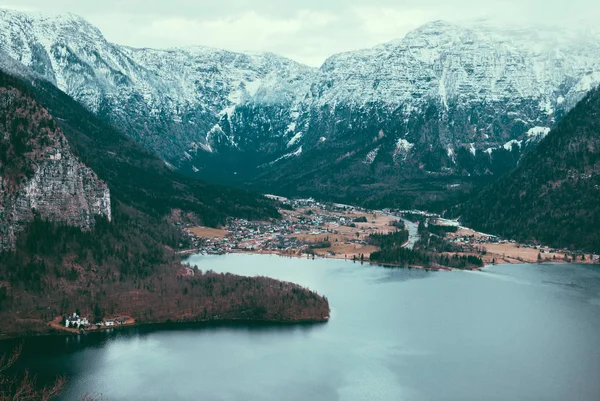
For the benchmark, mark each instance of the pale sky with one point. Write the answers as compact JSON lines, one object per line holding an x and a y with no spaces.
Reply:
{"x":305,"y":30}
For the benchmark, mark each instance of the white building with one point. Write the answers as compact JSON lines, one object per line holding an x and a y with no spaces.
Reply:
{"x":75,"y":320}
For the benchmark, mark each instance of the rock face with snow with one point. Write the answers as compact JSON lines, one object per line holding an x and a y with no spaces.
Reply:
{"x":169,"y":100}
{"x":442,"y":101}
{"x":39,"y":174}
{"x":451,"y":86}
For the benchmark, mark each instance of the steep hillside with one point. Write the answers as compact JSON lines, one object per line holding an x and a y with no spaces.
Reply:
{"x":87,"y":224}
{"x":39,"y":173}
{"x":554,"y":195}
{"x":134,"y":175}
{"x":168,"y":100}
{"x":444,"y":108}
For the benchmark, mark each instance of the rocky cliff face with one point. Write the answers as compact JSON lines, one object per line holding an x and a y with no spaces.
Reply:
{"x":39,"y":174}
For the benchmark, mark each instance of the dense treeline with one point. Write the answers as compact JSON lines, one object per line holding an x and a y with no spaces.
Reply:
{"x":553,"y":197}
{"x":128,"y":267}
{"x":441,"y":230}
{"x":391,"y":240}
{"x":430,"y":251}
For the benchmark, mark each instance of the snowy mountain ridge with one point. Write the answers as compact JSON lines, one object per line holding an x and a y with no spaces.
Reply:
{"x":429,"y":102}
{"x":177,"y":86}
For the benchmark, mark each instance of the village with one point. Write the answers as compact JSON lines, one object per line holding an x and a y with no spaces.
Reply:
{"x":329,"y":230}
{"x":308,"y":228}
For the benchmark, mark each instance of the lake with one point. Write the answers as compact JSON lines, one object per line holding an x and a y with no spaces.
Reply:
{"x":527,"y":332}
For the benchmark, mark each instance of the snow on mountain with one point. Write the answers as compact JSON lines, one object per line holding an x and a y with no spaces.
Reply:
{"x":177,"y":94}
{"x":466,"y":64}
{"x":420,"y":99}
{"x":536,"y":134}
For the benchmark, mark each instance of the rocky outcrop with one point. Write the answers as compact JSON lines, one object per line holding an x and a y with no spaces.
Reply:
{"x":39,"y":174}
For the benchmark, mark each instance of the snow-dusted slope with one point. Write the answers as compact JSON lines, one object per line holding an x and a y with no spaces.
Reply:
{"x":166,"y":99}
{"x":529,"y":76}
{"x":433,"y":101}
{"x":460,"y":65}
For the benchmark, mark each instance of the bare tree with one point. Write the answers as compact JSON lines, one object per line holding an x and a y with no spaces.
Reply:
{"x":15,"y":387}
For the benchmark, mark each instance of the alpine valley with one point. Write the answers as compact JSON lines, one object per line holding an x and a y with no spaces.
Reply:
{"x":416,"y":122}
{"x":88,"y":221}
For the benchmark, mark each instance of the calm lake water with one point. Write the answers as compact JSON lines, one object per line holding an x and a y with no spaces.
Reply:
{"x":529,"y":332}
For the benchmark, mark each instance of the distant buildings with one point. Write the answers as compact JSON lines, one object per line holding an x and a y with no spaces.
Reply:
{"x":76,"y":322}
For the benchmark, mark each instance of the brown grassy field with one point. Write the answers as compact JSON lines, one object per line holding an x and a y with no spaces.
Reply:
{"x":207,"y":232}
{"x":515,"y":253}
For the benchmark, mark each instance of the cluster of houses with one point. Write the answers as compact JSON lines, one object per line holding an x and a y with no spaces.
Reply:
{"x":479,"y":240}
{"x":76,"y":322}
{"x":277,"y":235}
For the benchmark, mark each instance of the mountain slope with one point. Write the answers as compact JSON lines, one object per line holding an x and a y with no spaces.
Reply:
{"x":554,"y":195}
{"x":134,"y":175}
{"x":39,"y":174}
{"x":436,"y":112}
{"x":70,"y":247}
{"x":168,"y":100}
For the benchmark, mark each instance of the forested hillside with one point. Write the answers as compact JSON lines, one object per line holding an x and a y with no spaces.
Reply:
{"x":554,"y":195}
{"x":134,"y":175}
{"x":124,"y":261}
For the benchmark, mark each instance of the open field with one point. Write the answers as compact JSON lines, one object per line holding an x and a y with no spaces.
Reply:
{"x":510,"y":252}
{"x":207,"y":232}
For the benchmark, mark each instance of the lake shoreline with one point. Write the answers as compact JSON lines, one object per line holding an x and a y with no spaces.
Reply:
{"x":55,"y":332}
{"x":487,"y":261}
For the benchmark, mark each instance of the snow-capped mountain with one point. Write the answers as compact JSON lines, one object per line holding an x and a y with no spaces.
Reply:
{"x":166,"y":99}
{"x":488,"y":86}
{"x":444,"y":101}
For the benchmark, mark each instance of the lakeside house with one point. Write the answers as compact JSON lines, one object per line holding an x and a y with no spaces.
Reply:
{"x":75,"y":320}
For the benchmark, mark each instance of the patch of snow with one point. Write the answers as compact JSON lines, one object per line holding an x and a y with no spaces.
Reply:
{"x":295,"y":153}
{"x":472,"y":149}
{"x":546,"y":107}
{"x":294,"y":139}
{"x":371,"y":156}
{"x":206,"y":147}
{"x":403,"y":148}
{"x":228,"y":111}
{"x":536,"y":134}
{"x":451,"y":154}
{"x":322,"y":139}
{"x":509,"y":145}
{"x":252,"y":87}
{"x":291,"y":127}
{"x":404,"y":145}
